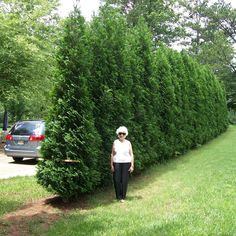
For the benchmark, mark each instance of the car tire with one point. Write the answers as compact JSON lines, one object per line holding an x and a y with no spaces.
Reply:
{"x":17,"y":159}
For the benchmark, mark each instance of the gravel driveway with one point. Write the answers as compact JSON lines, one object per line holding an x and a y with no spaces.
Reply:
{"x":9,"y":168}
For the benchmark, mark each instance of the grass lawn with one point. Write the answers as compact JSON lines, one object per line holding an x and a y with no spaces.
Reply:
{"x":192,"y":195}
{"x":15,"y":192}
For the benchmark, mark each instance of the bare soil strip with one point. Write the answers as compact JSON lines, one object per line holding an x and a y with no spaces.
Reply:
{"x":44,"y":212}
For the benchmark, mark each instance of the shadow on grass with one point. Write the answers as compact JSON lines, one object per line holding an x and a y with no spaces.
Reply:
{"x":106,"y":196}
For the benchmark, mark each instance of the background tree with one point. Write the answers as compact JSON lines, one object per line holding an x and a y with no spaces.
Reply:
{"x":161,"y":17}
{"x":27,"y":34}
{"x":223,"y":16}
{"x":211,"y":38}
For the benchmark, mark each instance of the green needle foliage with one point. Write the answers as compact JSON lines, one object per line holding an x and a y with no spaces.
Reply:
{"x":70,"y":129}
{"x":110,"y":75}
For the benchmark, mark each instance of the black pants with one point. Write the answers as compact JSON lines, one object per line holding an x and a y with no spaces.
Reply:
{"x":120,"y":178}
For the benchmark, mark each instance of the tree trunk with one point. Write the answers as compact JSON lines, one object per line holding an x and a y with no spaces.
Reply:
{"x":5,"y":120}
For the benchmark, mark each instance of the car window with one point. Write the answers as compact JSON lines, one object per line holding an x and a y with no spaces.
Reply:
{"x":28,"y":128}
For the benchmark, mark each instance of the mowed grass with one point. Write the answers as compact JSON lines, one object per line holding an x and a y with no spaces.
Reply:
{"x":192,"y":195}
{"x":17,"y":191}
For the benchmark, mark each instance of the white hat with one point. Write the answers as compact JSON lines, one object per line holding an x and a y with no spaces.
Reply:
{"x":122,"y":129}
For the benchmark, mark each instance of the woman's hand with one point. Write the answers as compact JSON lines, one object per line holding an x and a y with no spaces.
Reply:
{"x":112,"y":168}
{"x":131,"y":169}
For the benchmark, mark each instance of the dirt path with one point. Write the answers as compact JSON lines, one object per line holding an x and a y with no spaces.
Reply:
{"x":43,"y":212}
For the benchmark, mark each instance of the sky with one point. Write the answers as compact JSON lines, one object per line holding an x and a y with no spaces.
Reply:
{"x":88,"y":7}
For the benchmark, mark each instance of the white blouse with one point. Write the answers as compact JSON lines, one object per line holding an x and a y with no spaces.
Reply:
{"x":122,"y":151}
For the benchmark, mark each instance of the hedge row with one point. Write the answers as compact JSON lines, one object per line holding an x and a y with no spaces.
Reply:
{"x":110,"y":75}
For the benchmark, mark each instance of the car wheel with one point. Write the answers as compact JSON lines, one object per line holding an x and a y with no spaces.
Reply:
{"x":17,"y":159}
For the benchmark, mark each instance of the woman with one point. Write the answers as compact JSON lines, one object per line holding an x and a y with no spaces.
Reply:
{"x":122,"y":162}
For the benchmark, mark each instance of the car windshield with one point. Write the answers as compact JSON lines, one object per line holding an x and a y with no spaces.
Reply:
{"x":28,"y":128}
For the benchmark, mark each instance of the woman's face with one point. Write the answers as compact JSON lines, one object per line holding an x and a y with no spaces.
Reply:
{"x":121,"y":136}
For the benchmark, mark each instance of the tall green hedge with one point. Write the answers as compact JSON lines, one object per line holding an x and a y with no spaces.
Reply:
{"x":110,"y":75}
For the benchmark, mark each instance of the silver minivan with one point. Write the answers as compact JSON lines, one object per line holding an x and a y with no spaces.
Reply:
{"x":24,"y":139}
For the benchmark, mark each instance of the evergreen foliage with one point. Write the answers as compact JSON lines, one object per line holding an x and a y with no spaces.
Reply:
{"x":111,"y":75}
{"x":70,"y":128}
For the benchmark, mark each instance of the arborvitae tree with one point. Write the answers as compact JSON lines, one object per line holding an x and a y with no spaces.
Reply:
{"x":110,"y":83}
{"x":192,"y":114}
{"x":202,"y":107}
{"x":71,"y":134}
{"x":218,"y":110}
{"x":182,"y":139}
{"x":167,"y":97}
{"x":111,"y":75}
{"x":145,"y":100}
